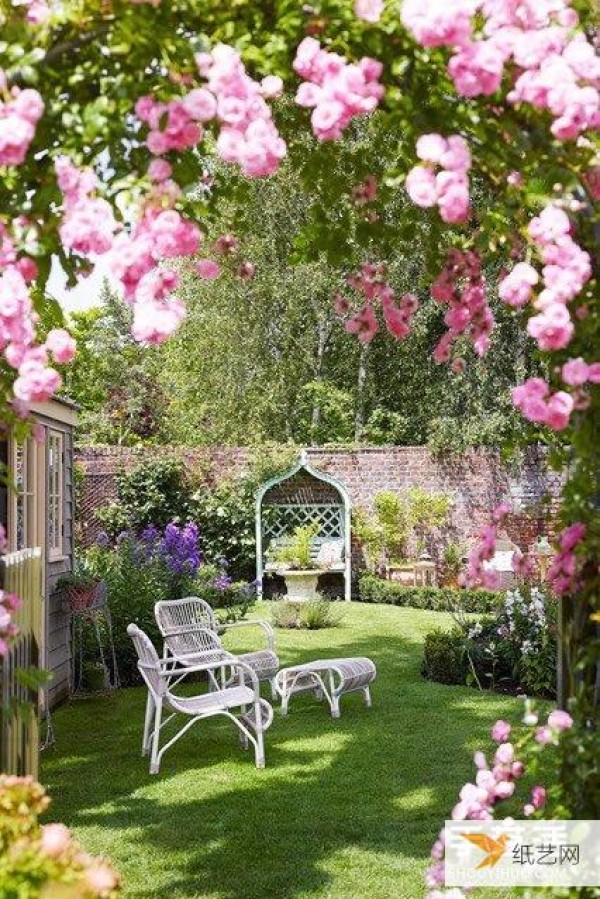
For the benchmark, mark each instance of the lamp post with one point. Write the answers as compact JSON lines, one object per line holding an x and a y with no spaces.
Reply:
{"x":542,"y":552}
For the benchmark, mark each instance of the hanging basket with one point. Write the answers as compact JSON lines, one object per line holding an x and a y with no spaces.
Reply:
{"x":80,"y":598}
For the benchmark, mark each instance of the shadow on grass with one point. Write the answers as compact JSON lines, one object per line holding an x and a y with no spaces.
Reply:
{"x":376,"y":781}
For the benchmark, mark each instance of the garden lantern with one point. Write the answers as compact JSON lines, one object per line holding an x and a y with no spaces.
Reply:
{"x":542,"y":551}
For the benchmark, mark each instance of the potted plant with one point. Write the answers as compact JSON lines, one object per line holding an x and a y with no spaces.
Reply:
{"x":95,"y":676}
{"x":79,"y":586}
{"x":292,"y":559}
{"x":453,"y":563}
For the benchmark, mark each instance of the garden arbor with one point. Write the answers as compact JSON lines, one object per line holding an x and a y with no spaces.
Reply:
{"x":300,"y":496}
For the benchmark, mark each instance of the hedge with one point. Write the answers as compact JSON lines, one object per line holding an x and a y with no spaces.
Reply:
{"x":441,"y":599}
{"x":446,"y":660}
{"x":444,"y":657}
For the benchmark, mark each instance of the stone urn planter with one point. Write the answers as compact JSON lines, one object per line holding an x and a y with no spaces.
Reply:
{"x":301,"y":584}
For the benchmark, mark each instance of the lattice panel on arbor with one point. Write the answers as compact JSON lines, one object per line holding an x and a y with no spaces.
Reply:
{"x":302,"y":489}
{"x":283,"y":519}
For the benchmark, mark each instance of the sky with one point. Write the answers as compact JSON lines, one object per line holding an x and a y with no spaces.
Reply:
{"x":87,"y":292}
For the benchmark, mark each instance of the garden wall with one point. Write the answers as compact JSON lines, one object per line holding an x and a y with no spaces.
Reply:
{"x":477,"y":481}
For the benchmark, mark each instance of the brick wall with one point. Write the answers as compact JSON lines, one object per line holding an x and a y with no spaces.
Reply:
{"x":477,"y":481}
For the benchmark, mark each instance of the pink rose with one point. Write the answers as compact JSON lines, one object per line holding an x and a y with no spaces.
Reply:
{"x":504,"y":754}
{"x":543,"y":735}
{"x":457,"y":157}
{"x":200,"y":104}
{"x":560,"y":720}
{"x":560,"y":406}
{"x":159,"y":170}
{"x":421,"y":187}
{"x":271,"y":86}
{"x":368,"y":10}
{"x":538,"y":797}
{"x":501,"y":731}
{"x":431,"y":147}
{"x":575,"y":372}
{"x":504,"y":789}
{"x":208,"y":269}
{"x":55,"y":840}
{"x":516,"y":288}
{"x":62,"y":346}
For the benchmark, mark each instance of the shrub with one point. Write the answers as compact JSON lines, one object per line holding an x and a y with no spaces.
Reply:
{"x":294,"y":553}
{"x":225,"y":515}
{"x":313,"y":615}
{"x":440,"y":599}
{"x":444,"y":657}
{"x":515,"y":650}
{"x":320,"y":613}
{"x":153,"y":493}
{"x":44,"y":860}
{"x":140,"y":571}
{"x":396,"y":519}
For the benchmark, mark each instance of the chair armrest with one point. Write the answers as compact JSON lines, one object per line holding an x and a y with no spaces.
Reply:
{"x":180,"y":657}
{"x":229,"y":660}
{"x":254,"y":622}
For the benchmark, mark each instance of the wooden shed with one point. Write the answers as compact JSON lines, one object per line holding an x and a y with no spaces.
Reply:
{"x":39,"y":513}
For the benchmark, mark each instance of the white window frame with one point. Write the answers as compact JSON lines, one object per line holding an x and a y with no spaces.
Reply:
{"x":55,"y":493}
{"x":26,"y":493}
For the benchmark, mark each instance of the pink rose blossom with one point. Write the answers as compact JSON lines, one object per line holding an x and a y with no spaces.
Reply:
{"x":421,"y":186}
{"x":516,"y":288}
{"x":501,"y":731}
{"x":55,"y":840}
{"x":159,"y":170}
{"x":61,"y":345}
{"x":438,"y":22}
{"x":368,"y":10}
{"x":575,"y":372}
{"x":505,"y":752}
{"x":337,"y":90}
{"x":560,"y":406}
{"x":431,"y":147}
{"x":208,"y":269}
{"x":560,"y":720}
{"x":543,"y":735}
{"x":477,"y":69}
{"x":538,"y":797}
{"x":552,"y":328}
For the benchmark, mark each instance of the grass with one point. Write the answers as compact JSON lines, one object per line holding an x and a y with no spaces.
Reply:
{"x":344,"y":809}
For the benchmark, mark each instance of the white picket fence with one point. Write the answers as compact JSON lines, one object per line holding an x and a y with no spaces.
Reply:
{"x":21,"y":573}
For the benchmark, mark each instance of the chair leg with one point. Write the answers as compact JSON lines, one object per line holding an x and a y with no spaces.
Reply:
{"x":260,"y":745}
{"x":335,"y":706}
{"x":147,"y":723}
{"x":154,"y":759}
{"x":368,"y":701}
{"x":274,"y":694}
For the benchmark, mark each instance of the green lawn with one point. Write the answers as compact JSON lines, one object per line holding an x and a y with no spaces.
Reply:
{"x":344,"y":809}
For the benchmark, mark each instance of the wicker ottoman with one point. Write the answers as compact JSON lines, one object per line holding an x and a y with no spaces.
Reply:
{"x":327,"y":678}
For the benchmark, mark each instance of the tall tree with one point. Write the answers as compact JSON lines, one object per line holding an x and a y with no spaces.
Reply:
{"x":111,"y":377}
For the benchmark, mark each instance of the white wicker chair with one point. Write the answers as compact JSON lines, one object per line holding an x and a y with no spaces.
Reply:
{"x":190,"y":626}
{"x":160,"y":675}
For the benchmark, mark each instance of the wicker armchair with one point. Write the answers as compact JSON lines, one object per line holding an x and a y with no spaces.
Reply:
{"x":190,"y":626}
{"x":160,"y":675}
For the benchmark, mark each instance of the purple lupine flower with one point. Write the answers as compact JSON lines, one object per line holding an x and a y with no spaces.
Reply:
{"x":222,"y":581}
{"x":150,"y":534}
{"x":149,"y":541}
{"x":180,"y":548}
{"x":102,"y":539}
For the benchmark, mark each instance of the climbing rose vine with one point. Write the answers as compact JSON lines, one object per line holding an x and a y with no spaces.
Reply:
{"x":122,"y":131}
{"x":519,"y":754}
